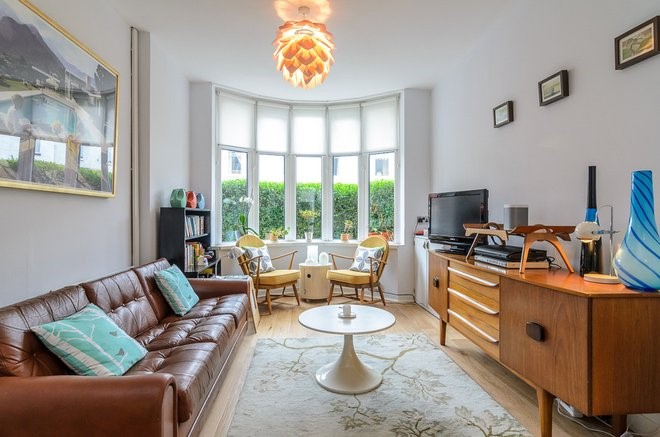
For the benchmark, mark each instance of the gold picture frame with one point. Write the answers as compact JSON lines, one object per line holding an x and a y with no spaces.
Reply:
{"x":637,"y":44}
{"x":58,"y":108}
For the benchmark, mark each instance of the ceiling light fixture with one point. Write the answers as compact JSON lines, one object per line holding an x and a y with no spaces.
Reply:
{"x":304,"y":51}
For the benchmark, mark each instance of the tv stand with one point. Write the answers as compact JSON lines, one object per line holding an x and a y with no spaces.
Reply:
{"x":595,"y":346}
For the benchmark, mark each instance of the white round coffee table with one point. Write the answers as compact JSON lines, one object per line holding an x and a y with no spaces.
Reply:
{"x":347,"y":375}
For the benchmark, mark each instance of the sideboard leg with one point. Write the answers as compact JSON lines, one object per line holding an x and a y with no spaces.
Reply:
{"x":443,"y":332}
{"x":545,"y":400}
{"x":619,"y":424}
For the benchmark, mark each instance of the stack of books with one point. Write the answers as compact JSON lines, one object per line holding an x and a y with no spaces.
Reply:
{"x":502,"y":258}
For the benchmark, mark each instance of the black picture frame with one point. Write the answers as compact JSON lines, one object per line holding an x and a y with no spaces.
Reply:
{"x":553,"y":88}
{"x":637,"y":44}
{"x":503,"y":114}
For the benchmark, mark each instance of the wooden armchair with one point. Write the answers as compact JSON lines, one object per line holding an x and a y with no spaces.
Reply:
{"x":359,"y":279}
{"x":267,"y":281}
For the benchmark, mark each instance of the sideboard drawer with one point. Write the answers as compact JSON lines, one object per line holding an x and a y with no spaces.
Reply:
{"x":557,"y":362}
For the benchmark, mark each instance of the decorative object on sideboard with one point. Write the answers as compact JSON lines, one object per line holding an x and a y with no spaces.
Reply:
{"x":201,"y":202}
{"x":178,"y":198}
{"x":637,"y":44}
{"x":637,"y":262}
{"x":47,"y":97}
{"x":590,"y":231}
{"x":191,"y":200}
{"x":591,"y":249}
{"x":515,"y":215}
{"x":553,"y":88}
{"x":503,"y":114}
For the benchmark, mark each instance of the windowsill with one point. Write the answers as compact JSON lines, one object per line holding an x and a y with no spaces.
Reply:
{"x":297,"y":243}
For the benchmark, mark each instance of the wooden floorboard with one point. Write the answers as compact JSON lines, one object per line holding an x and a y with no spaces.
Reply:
{"x":507,"y":389}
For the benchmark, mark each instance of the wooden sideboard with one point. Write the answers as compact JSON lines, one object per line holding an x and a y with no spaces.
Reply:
{"x":595,"y":346}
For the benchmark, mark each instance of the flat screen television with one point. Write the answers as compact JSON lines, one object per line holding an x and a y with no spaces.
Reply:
{"x":449,"y":211}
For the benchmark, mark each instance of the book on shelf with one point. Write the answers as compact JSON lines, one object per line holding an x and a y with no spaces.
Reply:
{"x":504,"y":264}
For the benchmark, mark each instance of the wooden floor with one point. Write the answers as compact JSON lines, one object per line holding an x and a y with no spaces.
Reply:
{"x":512,"y":393}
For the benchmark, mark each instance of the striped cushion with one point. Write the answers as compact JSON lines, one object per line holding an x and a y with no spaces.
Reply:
{"x":90,"y":343}
{"x":176,"y":289}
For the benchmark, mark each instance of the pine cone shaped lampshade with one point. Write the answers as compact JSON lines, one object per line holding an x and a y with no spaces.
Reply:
{"x":304,"y":52}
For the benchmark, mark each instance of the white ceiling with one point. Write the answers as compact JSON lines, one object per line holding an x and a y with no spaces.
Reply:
{"x":382,"y":45}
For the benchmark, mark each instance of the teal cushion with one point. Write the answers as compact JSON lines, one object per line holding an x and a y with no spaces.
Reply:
{"x":90,"y":343}
{"x":176,"y":289}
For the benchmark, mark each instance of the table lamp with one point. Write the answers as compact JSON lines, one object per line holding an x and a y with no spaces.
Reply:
{"x":591,"y":231}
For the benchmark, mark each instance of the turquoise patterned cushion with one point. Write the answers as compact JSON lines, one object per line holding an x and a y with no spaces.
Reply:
{"x":362,"y":262}
{"x":90,"y":343}
{"x":176,"y":289}
{"x":251,"y":253}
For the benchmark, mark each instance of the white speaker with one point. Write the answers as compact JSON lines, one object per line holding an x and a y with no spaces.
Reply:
{"x":515,"y":215}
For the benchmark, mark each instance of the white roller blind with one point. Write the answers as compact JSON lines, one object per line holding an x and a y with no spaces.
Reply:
{"x":308,"y":131}
{"x":380,"y":124}
{"x":272,"y":127}
{"x":236,"y":121}
{"x":344,"y":129}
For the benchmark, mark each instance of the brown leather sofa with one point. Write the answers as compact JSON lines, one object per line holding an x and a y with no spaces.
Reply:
{"x":167,"y":393}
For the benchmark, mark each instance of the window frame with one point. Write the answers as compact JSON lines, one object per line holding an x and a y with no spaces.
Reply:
{"x":327,"y":161}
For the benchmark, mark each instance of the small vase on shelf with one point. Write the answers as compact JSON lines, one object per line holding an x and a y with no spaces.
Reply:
{"x":178,"y":198}
{"x":308,"y":236}
{"x":637,"y":262}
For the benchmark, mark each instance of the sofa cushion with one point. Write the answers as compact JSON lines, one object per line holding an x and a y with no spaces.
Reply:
{"x":21,"y":352}
{"x":145,"y":274}
{"x":175,"y":331}
{"x":90,"y":343}
{"x":194,"y":367}
{"x":122,"y":297}
{"x":235,"y":305}
{"x":176,"y":289}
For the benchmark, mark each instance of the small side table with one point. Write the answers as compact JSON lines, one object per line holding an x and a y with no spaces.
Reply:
{"x":313,"y":284}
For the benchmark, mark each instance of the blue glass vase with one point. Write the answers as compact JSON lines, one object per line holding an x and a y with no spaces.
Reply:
{"x":637,"y":262}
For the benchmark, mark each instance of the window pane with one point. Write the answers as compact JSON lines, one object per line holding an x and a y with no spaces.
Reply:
{"x":308,"y":196}
{"x":380,"y":124}
{"x":344,"y":196}
{"x":272,"y":127}
{"x":308,"y":131}
{"x":381,"y":194}
{"x":344,"y":129}
{"x":233,"y":176}
{"x":236,"y":121}
{"x":9,"y":148}
{"x":271,"y":193}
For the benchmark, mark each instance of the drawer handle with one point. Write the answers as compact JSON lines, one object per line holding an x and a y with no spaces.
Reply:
{"x":472,"y":325}
{"x":535,"y":331}
{"x":436,"y":282}
{"x":472,"y":278}
{"x":473,"y":302}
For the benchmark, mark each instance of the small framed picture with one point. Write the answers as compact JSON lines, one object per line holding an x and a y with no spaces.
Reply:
{"x":637,"y":44}
{"x":553,"y":88}
{"x":503,"y":114}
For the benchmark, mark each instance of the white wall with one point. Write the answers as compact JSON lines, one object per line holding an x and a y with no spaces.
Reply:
{"x":49,"y":240}
{"x":610,"y":118}
{"x":164,"y":150}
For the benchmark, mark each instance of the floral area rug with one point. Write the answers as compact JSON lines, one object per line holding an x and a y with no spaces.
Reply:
{"x":424,"y":393}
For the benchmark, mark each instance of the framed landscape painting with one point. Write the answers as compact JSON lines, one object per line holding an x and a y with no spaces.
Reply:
{"x":553,"y":88}
{"x":503,"y":114}
{"x":58,"y":108}
{"x":637,"y":44}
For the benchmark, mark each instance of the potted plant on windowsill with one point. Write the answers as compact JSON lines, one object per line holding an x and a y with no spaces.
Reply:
{"x":308,"y":216}
{"x":277,"y":233}
{"x":348,"y":227}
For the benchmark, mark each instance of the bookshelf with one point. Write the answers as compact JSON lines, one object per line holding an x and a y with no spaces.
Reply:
{"x":183,"y":235}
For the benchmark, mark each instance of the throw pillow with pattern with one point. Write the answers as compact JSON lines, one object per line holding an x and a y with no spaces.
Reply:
{"x":176,"y":289}
{"x":90,"y":343}
{"x":362,"y":263}
{"x":251,"y":254}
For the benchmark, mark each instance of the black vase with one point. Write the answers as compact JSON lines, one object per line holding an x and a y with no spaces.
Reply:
{"x":591,"y":252}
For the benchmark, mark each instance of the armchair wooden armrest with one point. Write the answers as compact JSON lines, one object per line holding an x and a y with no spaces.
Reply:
{"x":291,"y":254}
{"x":334,"y":262}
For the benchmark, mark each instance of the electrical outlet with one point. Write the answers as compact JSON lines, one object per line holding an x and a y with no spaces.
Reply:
{"x":422,"y":219}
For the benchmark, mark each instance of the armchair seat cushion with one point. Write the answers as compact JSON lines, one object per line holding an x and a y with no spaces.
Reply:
{"x":348,"y":277}
{"x":278,"y":277}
